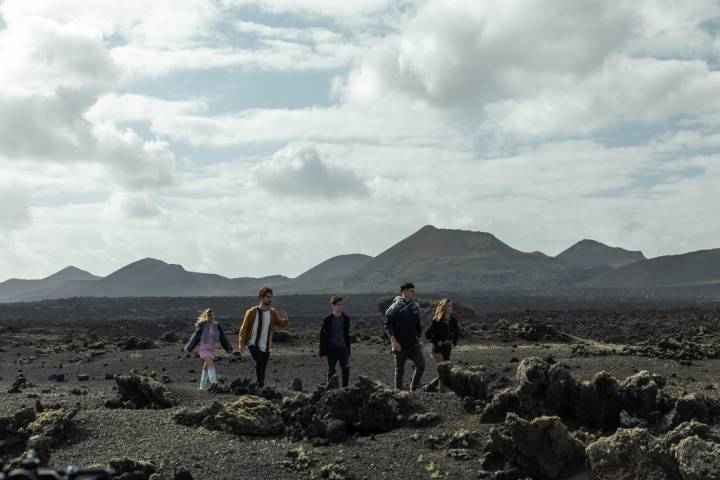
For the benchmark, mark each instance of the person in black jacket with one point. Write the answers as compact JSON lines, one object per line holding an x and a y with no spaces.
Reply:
{"x":443,"y":334}
{"x":335,"y":340}
{"x":403,"y":327}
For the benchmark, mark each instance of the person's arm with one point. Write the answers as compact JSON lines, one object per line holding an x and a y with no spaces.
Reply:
{"x":242,"y":334}
{"x":347,"y":334}
{"x":454,"y":330}
{"x":430,"y":332}
{"x":390,"y":327}
{"x":194,"y":339}
{"x":418,"y":328}
{"x":323,"y":337}
{"x":224,"y":340}
{"x":279,"y":319}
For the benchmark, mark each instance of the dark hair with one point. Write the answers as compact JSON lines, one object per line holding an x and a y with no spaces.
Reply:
{"x":335,"y":299}
{"x":264,"y":291}
{"x":406,"y":285}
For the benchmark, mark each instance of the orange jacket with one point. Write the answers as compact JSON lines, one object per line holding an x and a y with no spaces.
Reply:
{"x":276,"y":320}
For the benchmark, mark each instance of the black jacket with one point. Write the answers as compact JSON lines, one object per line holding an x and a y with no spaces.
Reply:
{"x":325,"y":333}
{"x":402,"y":321}
{"x":443,"y":330}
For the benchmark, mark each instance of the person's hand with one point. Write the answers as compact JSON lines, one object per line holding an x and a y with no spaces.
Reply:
{"x":396,"y":346}
{"x":283,"y":314}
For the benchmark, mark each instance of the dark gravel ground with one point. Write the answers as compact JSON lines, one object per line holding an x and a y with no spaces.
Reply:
{"x":152,"y":435}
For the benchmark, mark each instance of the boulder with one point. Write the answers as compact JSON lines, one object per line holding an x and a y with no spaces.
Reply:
{"x":543,"y":449}
{"x":249,"y":415}
{"x":631,"y":453}
{"x":366,"y":407}
{"x":463,"y":381}
{"x":129,"y":469}
{"x":697,"y":459}
{"x":688,"y":451}
{"x":141,"y":390}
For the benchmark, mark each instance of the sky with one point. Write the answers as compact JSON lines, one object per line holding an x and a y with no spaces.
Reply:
{"x":251,"y":138}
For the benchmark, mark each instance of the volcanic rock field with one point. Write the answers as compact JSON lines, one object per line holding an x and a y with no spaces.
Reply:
{"x":587,"y":393}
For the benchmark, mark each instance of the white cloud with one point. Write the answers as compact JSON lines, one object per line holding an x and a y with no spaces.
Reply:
{"x":300,"y":170}
{"x":131,"y":107}
{"x":625,"y":90}
{"x":321,"y":8}
{"x":464,"y":54}
{"x":131,"y":205}
{"x":381,"y":124}
{"x":56,"y":73}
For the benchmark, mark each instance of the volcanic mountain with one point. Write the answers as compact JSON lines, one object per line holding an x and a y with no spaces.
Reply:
{"x":327,"y":276}
{"x":689,"y":269}
{"x":589,"y":254}
{"x":17,"y":288}
{"x":451,"y":260}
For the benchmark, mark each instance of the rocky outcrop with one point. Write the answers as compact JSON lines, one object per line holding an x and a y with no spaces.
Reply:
{"x":249,"y":415}
{"x":690,"y":451}
{"x":367,"y":407}
{"x":465,"y":382}
{"x":545,"y":388}
{"x":141,"y":390}
{"x":37,"y":430}
{"x":542,"y":448}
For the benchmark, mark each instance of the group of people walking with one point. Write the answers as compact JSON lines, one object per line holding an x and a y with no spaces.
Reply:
{"x":403,"y":326}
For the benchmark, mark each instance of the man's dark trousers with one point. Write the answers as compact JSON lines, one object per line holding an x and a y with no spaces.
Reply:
{"x":414,"y":354}
{"x":261,"y":360}
{"x":335,"y":353}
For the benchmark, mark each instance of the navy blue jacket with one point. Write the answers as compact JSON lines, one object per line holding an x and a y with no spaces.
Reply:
{"x":402,"y":321}
{"x":325,"y":334}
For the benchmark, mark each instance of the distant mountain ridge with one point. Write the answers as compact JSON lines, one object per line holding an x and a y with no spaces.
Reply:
{"x":688,"y":269}
{"x":441,"y":259}
{"x":436,"y":260}
{"x":592,"y":254}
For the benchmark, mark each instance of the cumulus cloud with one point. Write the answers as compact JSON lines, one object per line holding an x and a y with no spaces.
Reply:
{"x":123,"y":204}
{"x":320,"y":8}
{"x":625,"y":90}
{"x":544,"y":69}
{"x":299,"y":170}
{"x":55,"y":75}
{"x":464,"y":54}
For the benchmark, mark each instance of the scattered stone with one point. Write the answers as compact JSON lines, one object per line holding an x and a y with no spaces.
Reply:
{"x":83,"y":377}
{"x":422,"y":420}
{"x":299,"y":460}
{"x":128,"y":469}
{"x":135,"y":343}
{"x":169,"y":337}
{"x":297,"y":385}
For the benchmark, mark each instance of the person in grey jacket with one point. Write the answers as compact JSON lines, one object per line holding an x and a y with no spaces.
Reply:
{"x":403,"y":327}
{"x":208,"y":333}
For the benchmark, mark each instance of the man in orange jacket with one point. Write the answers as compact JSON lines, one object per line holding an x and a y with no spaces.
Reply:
{"x":256,"y":331}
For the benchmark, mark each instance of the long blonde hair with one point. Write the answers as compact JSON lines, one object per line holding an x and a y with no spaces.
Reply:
{"x":441,"y":309}
{"x":205,"y":317}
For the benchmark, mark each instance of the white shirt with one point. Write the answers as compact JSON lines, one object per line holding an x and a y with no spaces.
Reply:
{"x":263,"y":315}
